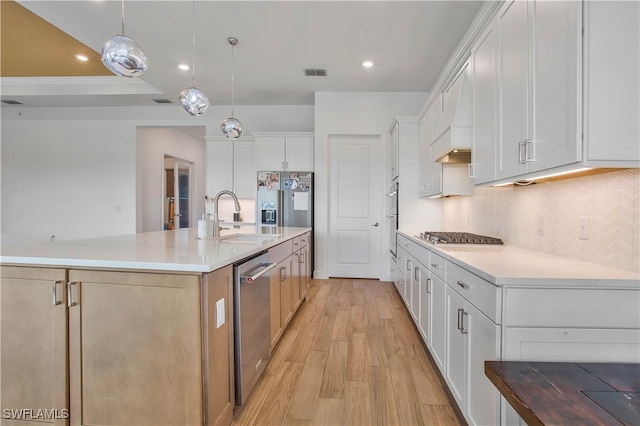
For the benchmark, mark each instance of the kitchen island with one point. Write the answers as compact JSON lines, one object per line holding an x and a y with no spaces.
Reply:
{"x":130,"y":329}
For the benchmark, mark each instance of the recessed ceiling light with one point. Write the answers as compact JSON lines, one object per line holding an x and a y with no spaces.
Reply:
{"x":81,"y":57}
{"x":367,"y":64}
{"x":183,"y":67}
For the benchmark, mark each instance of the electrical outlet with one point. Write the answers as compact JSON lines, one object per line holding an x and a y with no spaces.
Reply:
{"x":220,"y":313}
{"x":541,"y":226}
{"x":584,"y":231}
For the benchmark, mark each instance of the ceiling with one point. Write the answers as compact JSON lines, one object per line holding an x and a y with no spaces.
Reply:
{"x":409,"y":43}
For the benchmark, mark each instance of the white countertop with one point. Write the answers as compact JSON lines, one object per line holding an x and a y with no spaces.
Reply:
{"x":178,"y":250}
{"x":509,"y":265}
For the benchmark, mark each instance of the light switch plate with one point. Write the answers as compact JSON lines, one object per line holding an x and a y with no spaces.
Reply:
{"x":220,"y":313}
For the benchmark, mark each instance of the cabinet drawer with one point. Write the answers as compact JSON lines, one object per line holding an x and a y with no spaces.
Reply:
{"x":281,"y":251}
{"x":584,"y":308}
{"x":304,"y":239}
{"x":421,"y":254}
{"x":480,"y":293}
{"x":296,"y":243}
{"x":438,"y":265}
{"x":404,"y":242}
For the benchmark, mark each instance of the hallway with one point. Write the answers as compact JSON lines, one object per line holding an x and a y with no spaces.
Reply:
{"x":351,"y":356}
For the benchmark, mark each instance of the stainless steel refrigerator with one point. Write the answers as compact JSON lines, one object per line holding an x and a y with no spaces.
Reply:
{"x":285,"y":199}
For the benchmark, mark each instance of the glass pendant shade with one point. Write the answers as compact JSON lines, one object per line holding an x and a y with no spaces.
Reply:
{"x":194,"y":101}
{"x":123,"y":56}
{"x":231,"y":128}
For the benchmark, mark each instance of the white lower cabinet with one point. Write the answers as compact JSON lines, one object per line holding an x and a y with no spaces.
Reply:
{"x":466,"y":320}
{"x":482,"y":405}
{"x":457,"y":346}
{"x":402,"y":266}
{"x":437,"y":329}
{"x":472,"y":338}
{"x":424,"y":318}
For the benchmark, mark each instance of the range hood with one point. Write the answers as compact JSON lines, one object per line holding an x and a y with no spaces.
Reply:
{"x":452,"y":142}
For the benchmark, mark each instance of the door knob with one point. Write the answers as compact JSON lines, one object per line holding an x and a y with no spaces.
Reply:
{"x":375,"y":224}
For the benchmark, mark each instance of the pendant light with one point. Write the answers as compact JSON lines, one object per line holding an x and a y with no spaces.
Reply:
{"x":232,"y":127}
{"x":192,"y":99}
{"x":122,"y":56}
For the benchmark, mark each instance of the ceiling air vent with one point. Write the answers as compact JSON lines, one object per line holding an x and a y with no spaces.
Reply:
{"x":162,"y":101}
{"x":11,"y":102}
{"x":315,"y":72}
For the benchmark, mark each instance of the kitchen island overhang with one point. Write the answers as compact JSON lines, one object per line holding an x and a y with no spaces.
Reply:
{"x":176,"y":250}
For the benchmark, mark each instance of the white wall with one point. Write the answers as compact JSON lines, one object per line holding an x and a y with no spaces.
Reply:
{"x":72,"y":179}
{"x":71,"y":172}
{"x":153,"y":143}
{"x":352,"y":113}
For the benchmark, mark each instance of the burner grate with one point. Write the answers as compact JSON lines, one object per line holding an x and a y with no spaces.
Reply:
{"x":459,"y":238}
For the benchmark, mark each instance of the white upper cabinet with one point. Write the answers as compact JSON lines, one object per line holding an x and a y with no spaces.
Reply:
{"x":231,"y":166}
{"x":539,"y":60}
{"x":612,"y":82}
{"x":284,"y":151}
{"x":484,"y":134}
{"x":394,"y":151}
{"x":426,"y":164}
{"x":438,"y":179}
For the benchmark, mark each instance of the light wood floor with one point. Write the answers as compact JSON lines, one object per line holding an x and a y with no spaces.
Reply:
{"x":350,"y":356}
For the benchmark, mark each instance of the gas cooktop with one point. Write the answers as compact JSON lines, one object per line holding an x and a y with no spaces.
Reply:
{"x":458,"y":238}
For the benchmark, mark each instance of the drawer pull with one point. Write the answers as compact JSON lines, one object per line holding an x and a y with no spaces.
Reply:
{"x":436,"y":265}
{"x":463,"y":284}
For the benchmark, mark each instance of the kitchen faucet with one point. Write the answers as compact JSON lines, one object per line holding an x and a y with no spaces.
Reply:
{"x":216,"y":221}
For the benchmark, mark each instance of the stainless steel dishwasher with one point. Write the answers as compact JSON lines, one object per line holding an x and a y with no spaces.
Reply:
{"x":252,"y":322}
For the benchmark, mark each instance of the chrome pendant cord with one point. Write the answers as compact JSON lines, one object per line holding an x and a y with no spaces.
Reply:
{"x":193,"y":45}
{"x":233,"y":42}
{"x":122,"y":17}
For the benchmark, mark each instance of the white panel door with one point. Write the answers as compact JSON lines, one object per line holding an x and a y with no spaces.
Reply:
{"x":356,"y":169}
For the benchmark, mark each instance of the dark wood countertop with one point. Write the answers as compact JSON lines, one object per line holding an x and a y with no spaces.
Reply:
{"x":567,"y":393}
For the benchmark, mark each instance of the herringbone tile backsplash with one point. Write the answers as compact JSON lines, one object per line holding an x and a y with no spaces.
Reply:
{"x":611,"y":201}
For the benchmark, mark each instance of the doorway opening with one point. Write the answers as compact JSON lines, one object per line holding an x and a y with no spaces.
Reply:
{"x":178,"y":187}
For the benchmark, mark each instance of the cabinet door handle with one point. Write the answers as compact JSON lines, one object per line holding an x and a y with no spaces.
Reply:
{"x":471,"y":170}
{"x":70,"y":301}
{"x":301,"y":257}
{"x":416,"y":273}
{"x":428,"y":285}
{"x":462,"y":329}
{"x":55,"y":293}
{"x":529,"y":152}
{"x":460,"y":312}
{"x":408,"y":265}
{"x":283,"y":273}
{"x":463,"y":284}
{"x":522,"y":154}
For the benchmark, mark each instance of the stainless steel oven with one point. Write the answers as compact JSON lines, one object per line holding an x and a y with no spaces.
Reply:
{"x":393,"y":217}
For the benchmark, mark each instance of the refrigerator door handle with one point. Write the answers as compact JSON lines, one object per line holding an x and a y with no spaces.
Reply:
{"x":280,"y":216}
